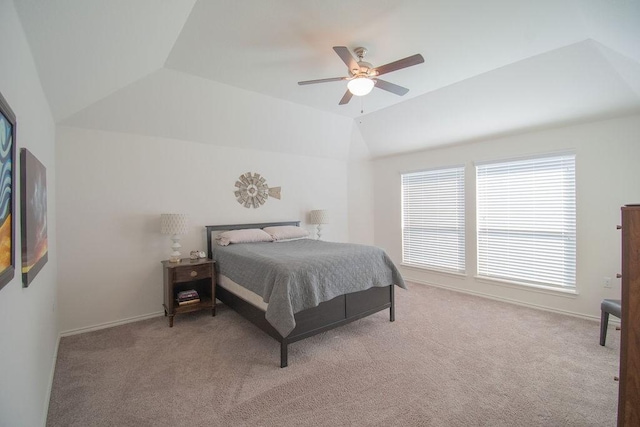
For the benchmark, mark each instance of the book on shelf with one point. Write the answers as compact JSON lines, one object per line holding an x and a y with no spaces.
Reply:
{"x":187,"y":295}
{"x":187,"y":302}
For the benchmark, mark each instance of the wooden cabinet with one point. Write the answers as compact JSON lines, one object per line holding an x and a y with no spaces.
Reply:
{"x":629,"y":394}
{"x":185,"y":275}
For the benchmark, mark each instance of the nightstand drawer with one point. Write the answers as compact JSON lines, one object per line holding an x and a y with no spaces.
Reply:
{"x":188,"y":273}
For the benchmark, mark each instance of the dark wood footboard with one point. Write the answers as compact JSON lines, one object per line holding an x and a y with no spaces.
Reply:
{"x":341,"y":310}
{"x":326,"y":316}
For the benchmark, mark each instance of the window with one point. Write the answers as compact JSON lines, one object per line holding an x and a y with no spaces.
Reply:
{"x":433,"y":219}
{"x":527,"y":221}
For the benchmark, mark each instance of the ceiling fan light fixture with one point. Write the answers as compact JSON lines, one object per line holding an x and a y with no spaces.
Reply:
{"x":360,"y":86}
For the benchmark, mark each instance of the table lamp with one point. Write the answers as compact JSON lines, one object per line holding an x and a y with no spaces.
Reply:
{"x":319,"y":217}
{"x":176,"y":225}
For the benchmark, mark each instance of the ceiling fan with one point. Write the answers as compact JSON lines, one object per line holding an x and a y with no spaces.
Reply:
{"x":363,"y":76}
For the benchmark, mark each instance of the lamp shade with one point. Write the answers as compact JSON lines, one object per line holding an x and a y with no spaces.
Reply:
{"x":174,"y":224}
{"x":320,"y":216}
{"x":360,"y":86}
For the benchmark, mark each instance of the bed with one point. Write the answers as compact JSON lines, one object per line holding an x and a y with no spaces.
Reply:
{"x":294,"y":290}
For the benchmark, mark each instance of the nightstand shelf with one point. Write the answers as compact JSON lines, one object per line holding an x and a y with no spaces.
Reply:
{"x":185,"y":275}
{"x":205,"y":302}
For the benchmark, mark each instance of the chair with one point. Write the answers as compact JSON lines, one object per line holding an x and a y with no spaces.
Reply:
{"x":608,"y":306}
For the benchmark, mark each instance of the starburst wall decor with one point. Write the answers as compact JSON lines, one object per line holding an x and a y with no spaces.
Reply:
{"x":253,"y":191}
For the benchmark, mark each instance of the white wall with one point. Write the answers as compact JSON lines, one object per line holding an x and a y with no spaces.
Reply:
{"x":607,"y":176}
{"x":112,"y":188}
{"x":360,"y":181}
{"x":28,"y":322}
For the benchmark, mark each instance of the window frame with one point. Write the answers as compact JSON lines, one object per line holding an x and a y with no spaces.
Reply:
{"x":571,"y":235}
{"x":460,"y":269}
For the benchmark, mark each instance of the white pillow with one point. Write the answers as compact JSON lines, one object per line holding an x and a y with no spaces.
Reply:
{"x":286,"y":232}
{"x":243,"y":236}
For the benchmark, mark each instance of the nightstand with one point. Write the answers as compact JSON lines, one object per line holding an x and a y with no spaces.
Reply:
{"x":185,"y":275}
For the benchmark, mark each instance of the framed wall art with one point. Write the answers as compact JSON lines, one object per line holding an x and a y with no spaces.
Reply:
{"x":7,"y":193}
{"x":33,"y":209}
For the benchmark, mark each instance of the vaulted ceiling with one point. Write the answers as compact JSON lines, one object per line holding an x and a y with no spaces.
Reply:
{"x":491,"y":67}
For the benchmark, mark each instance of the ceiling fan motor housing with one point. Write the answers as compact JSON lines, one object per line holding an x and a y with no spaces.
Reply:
{"x":365,"y":67}
{"x":364,"y":70}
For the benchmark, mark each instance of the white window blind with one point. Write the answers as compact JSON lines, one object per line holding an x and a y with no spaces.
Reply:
{"x":433,"y":219}
{"x":527,"y":221}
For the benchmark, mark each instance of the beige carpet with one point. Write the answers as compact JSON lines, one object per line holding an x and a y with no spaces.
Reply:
{"x":449,"y":359}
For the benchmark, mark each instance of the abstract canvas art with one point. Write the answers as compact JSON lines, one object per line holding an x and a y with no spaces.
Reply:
{"x":33,"y":207}
{"x":7,"y":192}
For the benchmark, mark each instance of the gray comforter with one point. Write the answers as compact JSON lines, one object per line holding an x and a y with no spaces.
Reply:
{"x":296,"y":275}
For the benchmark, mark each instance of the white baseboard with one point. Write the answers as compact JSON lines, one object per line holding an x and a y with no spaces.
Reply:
{"x":612,"y":320}
{"x":51,"y":375}
{"x":110,"y":324}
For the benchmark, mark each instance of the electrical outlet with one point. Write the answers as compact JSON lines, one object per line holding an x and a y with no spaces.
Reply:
{"x":607,"y":282}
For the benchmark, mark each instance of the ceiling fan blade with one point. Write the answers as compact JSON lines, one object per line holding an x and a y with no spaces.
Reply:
{"x":399,"y":64}
{"x":331,"y":79}
{"x":391,"y":87}
{"x":346,"y":98}
{"x":346,"y":57}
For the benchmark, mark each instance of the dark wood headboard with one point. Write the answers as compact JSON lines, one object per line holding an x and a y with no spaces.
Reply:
{"x":211,"y":228}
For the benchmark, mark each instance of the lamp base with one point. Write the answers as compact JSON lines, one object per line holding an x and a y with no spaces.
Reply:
{"x":175,"y":255}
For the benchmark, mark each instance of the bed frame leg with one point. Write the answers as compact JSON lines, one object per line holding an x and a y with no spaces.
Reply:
{"x":284,"y":351}
{"x":392,"y":309}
